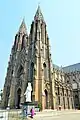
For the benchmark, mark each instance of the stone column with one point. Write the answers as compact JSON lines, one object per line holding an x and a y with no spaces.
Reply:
{"x":79,"y":93}
{"x":56,"y":97}
{"x":66,"y":102}
{"x":24,"y":79}
{"x":12,"y":94}
{"x":23,"y":91}
{"x":71,"y":100}
{"x":53,"y":92}
{"x":4,"y":99}
{"x":42,"y":91}
{"x":61,"y":99}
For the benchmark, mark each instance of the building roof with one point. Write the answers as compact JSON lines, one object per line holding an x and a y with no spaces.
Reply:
{"x":72,"y":68}
{"x":57,"y":67}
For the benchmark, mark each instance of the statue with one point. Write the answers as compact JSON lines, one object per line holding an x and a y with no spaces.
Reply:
{"x":28,"y":92}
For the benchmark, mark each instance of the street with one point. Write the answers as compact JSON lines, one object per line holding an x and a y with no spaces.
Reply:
{"x":63,"y":115}
{"x":44,"y":115}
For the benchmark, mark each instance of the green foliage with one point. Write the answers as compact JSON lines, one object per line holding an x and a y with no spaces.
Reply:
{"x":40,"y":106}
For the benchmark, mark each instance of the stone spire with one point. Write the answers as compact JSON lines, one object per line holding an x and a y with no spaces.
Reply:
{"x":22,"y":28}
{"x":38,"y":15}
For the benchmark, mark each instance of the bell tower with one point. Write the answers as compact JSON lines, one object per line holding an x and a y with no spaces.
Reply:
{"x":39,"y":64}
{"x":16,"y":78}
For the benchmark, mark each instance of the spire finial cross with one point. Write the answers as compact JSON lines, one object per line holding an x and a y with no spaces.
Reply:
{"x":39,"y":3}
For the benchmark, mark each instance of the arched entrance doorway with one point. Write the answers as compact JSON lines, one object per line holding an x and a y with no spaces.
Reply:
{"x":76,"y":101}
{"x":46,"y":99}
{"x":18,"y":97}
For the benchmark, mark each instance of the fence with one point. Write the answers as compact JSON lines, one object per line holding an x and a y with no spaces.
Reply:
{"x":11,"y":115}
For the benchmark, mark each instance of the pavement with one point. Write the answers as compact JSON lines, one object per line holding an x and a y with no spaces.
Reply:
{"x":58,"y":115}
{"x":45,"y":115}
{"x":55,"y":112}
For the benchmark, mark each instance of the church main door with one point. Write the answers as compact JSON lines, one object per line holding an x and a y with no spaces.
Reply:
{"x":18,"y":97}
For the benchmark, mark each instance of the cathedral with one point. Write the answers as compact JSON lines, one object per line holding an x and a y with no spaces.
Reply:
{"x":30,"y":62}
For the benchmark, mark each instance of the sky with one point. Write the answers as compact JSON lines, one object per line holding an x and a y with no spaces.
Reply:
{"x":63,"y":25}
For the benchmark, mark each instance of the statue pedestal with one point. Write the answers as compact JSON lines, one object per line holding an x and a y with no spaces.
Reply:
{"x":27,"y":106}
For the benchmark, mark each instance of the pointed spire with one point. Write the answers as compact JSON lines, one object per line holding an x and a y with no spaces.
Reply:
{"x":38,"y":15}
{"x":22,"y":28}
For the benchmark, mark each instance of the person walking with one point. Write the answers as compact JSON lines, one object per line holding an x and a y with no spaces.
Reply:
{"x":26,"y":113}
{"x":32,"y":112}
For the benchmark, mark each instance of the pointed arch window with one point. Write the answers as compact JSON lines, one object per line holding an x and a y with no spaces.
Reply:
{"x":45,"y":71}
{"x":16,"y":40}
{"x":31,"y":71}
{"x":22,"y":43}
{"x":20,"y":70}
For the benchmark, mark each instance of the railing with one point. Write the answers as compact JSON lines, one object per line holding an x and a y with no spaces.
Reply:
{"x":12,"y":115}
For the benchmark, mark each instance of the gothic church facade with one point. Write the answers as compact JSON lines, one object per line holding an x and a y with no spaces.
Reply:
{"x":30,"y":61}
